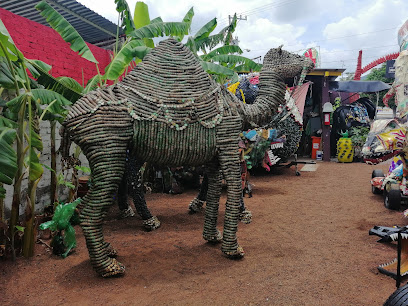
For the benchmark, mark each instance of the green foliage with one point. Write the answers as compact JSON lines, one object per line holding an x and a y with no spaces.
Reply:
{"x":8,"y":48}
{"x":65,"y":86}
{"x":222,"y":51}
{"x":132,"y":49}
{"x":359,"y":136}
{"x":8,"y":158}
{"x":85,"y":170}
{"x":124,"y":14}
{"x":206,"y":30}
{"x":378,"y":74}
{"x":62,"y":182}
{"x":142,"y":18}
{"x":66,"y":30}
{"x":160,"y":29}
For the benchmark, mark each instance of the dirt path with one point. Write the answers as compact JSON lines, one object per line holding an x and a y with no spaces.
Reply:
{"x":308,"y":244}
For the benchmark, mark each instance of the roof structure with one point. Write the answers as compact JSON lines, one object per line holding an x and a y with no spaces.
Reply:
{"x":93,"y":28}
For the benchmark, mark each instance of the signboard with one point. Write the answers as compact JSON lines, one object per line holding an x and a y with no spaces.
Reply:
{"x":390,"y":69}
{"x":403,"y":36}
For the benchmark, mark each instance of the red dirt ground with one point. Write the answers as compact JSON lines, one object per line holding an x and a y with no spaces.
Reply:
{"x":308,"y":244}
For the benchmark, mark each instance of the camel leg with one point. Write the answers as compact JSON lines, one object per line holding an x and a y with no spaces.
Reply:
{"x":107,"y":161}
{"x":135,"y":190}
{"x":197,"y":203}
{"x":229,"y":164}
{"x":210,"y":232}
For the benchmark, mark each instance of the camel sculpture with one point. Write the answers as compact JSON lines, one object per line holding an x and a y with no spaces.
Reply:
{"x":170,"y":112}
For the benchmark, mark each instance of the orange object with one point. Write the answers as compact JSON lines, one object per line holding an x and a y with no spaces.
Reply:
{"x":315,"y":146}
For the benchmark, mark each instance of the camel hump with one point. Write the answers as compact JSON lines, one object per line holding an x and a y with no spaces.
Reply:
{"x":170,"y":73}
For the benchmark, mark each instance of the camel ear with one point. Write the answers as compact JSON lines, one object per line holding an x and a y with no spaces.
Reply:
{"x":280,"y":49}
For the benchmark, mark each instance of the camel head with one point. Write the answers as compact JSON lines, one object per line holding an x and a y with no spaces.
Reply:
{"x":387,"y":138}
{"x":287,"y":64}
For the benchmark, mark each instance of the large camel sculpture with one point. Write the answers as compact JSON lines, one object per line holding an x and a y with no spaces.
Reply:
{"x":170,"y":112}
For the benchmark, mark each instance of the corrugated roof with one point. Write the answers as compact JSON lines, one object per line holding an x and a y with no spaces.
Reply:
{"x":91,"y":26}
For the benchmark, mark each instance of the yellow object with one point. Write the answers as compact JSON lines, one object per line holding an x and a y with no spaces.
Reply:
{"x":345,"y":151}
{"x":243,"y":96}
{"x":233,"y":88}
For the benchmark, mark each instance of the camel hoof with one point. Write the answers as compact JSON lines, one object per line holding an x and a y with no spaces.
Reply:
{"x":236,"y":254}
{"x":213,"y":238}
{"x":245,"y":216}
{"x":195,"y":206}
{"x":110,"y":251}
{"x":151,"y":224}
{"x":126,"y":213}
{"x":114,"y":269}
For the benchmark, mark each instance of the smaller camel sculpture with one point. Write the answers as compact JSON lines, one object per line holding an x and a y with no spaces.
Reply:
{"x":168,"y":111}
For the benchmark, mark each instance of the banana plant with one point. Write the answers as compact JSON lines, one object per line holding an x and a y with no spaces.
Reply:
{"x":31,"y":105}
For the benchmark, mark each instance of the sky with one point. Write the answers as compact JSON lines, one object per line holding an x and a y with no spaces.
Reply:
{"x":338,"y":29}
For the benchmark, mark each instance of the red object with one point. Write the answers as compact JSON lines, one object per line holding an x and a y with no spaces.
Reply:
{"x":326,"y":118}
{"x":315,"y":146}
{"x":37,"y":41}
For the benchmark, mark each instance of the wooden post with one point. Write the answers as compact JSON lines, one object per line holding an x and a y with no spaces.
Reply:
{"x":325,"y":128}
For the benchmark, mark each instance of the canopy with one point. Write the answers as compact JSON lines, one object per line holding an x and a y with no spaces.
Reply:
{"x":358,"y":86}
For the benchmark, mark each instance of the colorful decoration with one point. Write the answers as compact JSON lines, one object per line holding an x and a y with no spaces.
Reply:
{"x":312,"y":54}
{"x":345,"y":151}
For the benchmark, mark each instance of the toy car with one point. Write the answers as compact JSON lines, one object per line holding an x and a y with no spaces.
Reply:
{"x":390,"y":185}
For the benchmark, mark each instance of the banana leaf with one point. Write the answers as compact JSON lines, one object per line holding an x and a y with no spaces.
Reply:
{"x":93,"y":83}
{"x":248,"y":67}
{"x":8,"y":157}
{"x":64,"y":88}
{"x":141,"y":18}
{"x":235,"y":59}
{"x":133,"y":49}
{"x":66,"y":30}
{"x":35,"y":73}
{"x":6,"y":122}
{"x":157,"y":19}
{"x":222,"y":51}
{"x":124,"y":14}
{"x":36,"y":170}
{"x":213,"y":68}
{"x":188,"y":18}
{"x":206,"y":30}
{"x":70,"y":83}
{"x":7,"y":43}
{"x":6,"y":78}
{"x":161,"y":29}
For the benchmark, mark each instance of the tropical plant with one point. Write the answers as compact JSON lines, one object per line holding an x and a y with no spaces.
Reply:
{"x":358,"y":138}
{"x":30,"y":105}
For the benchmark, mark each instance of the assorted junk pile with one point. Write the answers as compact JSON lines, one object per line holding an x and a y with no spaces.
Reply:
{"x":275,"y":143}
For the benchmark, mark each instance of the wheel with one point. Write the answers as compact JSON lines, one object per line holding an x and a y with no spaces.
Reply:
{"x":392,"y":196}
{"x":376,"y":190}
{"x":398,"y":298}
{"x":377,"y":173}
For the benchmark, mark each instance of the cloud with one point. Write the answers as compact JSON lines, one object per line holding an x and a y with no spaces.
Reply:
{"x":379,"y":21}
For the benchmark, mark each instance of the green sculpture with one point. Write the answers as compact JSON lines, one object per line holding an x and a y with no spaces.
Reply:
{"x":62,"y":223}
{"x":169,"y":112}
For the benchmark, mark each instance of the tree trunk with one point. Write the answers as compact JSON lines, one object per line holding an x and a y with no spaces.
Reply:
{"x":53,"y":189}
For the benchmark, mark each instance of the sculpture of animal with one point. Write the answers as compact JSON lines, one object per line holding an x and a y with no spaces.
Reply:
{"x":169,"y":112}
